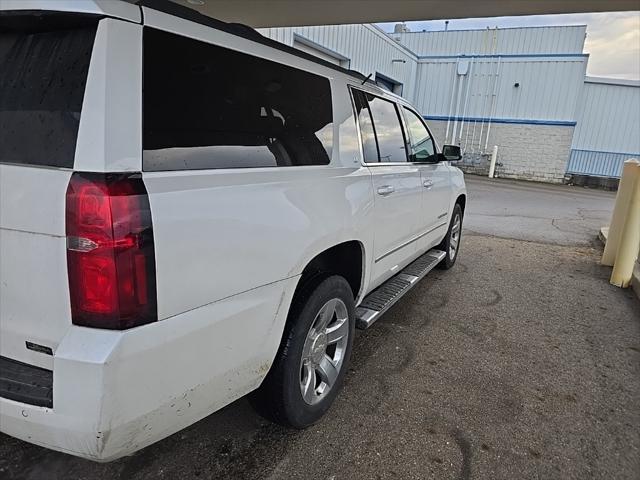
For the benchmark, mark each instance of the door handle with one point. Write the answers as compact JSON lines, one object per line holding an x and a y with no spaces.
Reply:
{"x":428,"y":183}
{"x":386,"y":190}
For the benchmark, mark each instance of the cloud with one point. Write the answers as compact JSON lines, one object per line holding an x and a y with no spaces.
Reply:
{"x":614,"y":45}
{"x":613,"y":39}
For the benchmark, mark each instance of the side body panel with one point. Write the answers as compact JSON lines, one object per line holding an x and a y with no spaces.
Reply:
{"x":220,"y":233}
{"x":436,"y":198}
{"x":397,"y":201}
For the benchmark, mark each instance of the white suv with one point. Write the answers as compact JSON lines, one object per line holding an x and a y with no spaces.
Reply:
{"x":191,"y":212}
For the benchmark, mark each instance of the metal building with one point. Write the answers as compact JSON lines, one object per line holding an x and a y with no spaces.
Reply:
{"x":608,"y":129}
{"x":522,"y":89}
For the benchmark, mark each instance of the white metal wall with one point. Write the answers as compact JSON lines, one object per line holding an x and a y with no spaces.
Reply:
{"x":560,"y":39}
{"x":546,"y":87}
{"x":369,"y":49}
{"x":608,"y":130}
{"x":609,"y":116}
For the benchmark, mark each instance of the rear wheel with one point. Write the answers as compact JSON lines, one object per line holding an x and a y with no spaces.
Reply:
{"x":451,"y":243}
{"x":311,"y":362}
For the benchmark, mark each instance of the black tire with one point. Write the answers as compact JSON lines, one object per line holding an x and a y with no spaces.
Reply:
{"x":280,"y":396}
{"x":452,"y":254}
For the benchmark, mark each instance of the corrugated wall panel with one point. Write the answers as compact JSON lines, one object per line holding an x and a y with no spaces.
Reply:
{"x":553,"y":39}
{"x":369,"y":49}
{"x":597,"y":164}
{"x":608,"y":118}
{"x":546,"y":88}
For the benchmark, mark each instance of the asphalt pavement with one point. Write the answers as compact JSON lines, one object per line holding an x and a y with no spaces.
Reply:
{"x":556,"y":214}
{"x":520,"y":362}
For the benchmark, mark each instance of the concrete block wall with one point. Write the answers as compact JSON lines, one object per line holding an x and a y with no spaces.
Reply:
{"x":527,"y":152}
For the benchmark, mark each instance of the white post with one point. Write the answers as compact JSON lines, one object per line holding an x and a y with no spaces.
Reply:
{"x":492,"y":165}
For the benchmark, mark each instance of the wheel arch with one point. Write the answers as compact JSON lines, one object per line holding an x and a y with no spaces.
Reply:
{"x":346,"y":259}
{"x":462,"y":201}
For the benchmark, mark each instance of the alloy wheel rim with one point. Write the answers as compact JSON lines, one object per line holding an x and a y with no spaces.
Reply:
{"x":455,"y":237}
{"x":323,"y":351}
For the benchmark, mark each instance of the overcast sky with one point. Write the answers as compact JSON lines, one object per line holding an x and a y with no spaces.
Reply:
{"x":613,"y":39}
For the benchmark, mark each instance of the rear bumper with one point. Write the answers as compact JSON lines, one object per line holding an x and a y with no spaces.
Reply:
{"x":25,"y":383}
{"x":93,"y":414}
{"x":116,"y":392}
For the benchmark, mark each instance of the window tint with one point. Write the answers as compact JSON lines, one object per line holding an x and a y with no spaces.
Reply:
{"x":44,"y":61}
{"x":422,"y":148}
{"x":367,"y":133}
{"x":388,"y":130}
{"x":210,"y":107}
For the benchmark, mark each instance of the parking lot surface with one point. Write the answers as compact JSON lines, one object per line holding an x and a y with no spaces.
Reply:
{"x":556,"y":214}
{"x":520,"y":362}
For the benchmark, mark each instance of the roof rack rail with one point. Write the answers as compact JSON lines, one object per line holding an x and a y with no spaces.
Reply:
{"x":241,"y":30}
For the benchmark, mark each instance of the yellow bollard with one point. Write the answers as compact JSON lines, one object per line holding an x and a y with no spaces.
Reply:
{"x":629,"y":244}
{"x":623,"y":200}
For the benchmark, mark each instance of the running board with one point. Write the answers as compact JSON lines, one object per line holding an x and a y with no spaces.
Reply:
{"x":383,"y":297}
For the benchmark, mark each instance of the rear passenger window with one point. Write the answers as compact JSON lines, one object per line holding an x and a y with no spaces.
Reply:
{"x":208,"y":107}
{"x":367,"y":133}
{"x":380,"y":129}
{"x":388,"y":130}
{"x":44,"y":62}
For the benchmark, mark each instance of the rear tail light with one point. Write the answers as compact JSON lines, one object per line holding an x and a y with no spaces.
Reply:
{"x":110,"y":253}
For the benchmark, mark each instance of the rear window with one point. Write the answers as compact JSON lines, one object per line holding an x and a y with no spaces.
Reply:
{"x":208,"y":107}
{"x":44,"y":60}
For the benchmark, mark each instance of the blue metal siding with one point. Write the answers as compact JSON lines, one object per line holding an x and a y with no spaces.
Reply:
{"x":597,"y":164}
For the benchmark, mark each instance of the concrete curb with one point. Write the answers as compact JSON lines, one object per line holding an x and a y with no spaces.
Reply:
{"x":635,"y":277}
{"x":603,"y":234}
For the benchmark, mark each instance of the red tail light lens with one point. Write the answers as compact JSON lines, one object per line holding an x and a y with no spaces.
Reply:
{"x":110,"y":253}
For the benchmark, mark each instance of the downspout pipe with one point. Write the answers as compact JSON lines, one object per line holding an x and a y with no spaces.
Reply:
{"x":453,"y":92}
{"x":466,"y":102}
{"x":494,"y":101}
{"x":455,"y":115}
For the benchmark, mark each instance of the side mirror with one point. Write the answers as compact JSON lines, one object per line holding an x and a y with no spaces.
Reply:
{"x":451,"y":153}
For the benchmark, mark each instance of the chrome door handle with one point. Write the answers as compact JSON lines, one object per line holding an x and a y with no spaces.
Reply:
{"x":428,"y":183}
{"x":386,"y":190}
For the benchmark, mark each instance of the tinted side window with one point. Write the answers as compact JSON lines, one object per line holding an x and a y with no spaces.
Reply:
{"x":44,"y":62}
{"x":210,"y":107}
{"x":422,"y":148}
{"x":367,"y":133}
{"x":388,"y":130}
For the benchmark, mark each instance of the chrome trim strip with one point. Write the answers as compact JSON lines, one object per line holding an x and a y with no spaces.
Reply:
{"x":442,"y":215}
{"x":409,"y":242}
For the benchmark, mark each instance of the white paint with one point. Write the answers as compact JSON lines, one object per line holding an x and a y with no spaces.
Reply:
{"x":609,"y":116}
{"x":110,"y":8}
{"x":34,"y":293}
{"x":230,"y":246}
{"x":492,"y":164}
{"x":110,"y":133}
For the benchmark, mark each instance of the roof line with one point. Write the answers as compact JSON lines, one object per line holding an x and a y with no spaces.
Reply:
{"x":488,"y":28}
{"x":506,"y":55}
{"x":243,"y":31}
{"x":621,"y":82}
{"x":399,"y":45}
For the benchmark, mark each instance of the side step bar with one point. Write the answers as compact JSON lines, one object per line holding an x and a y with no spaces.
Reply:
{"x":383,"y":297}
